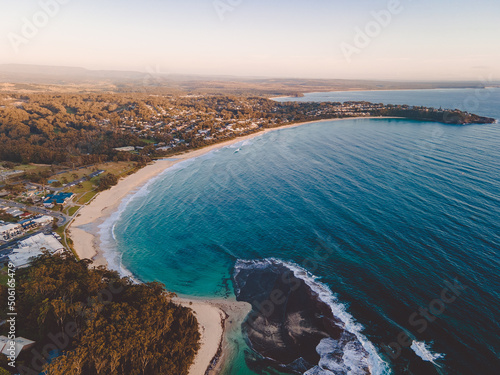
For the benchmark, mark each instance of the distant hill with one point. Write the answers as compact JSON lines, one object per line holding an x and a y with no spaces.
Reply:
{"x":33,"y":78}
{"x":41,"y":74}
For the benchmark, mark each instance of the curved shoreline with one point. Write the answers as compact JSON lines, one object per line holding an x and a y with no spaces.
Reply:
{"x":215,"y":319}
{"x":85,"y":235}
{"x":86,"y":241}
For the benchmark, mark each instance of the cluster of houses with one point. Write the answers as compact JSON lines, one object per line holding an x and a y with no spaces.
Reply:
{"x":231,"y":118}
{"x":5,"y":174}
{"x":33,"y":193}
{"x":9,"y":231}
{"x":12,"y":211}
{"x":177,"y":120}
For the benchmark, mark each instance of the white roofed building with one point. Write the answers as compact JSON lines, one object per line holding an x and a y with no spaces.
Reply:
{"x":32,"y":247}
{"x":125,"y":149}
{"x":43,"y":220}
{"x":20,"y":344}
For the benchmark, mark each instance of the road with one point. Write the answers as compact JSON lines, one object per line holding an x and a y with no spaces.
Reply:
{"x":62,"y":219}
{"x":44,"y":187}
{"x":6,"y":248}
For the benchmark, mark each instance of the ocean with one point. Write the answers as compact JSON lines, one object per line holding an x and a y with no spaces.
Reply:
{"x":395,"y":222}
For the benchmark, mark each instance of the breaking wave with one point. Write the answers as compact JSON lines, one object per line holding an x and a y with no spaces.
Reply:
{"x":338,"y":357}
{"x":423,"y":350}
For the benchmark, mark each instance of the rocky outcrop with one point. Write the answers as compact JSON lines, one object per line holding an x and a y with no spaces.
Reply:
{"x":290,"y":325}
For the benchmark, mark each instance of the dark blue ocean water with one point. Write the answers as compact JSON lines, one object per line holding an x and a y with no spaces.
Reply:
{"x":386,"y":213}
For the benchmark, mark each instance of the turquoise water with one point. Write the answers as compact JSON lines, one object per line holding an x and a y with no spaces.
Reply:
{"x":384,"y":212}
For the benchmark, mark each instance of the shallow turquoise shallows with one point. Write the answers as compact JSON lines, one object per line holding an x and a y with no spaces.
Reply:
{"x":386,"y":213}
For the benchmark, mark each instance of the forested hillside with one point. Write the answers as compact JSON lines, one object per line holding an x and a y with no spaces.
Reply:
{"x":83,"y":129}
{"x":98,"y":322}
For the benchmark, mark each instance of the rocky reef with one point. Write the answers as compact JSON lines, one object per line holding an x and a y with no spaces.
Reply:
{"x":292,"y":324}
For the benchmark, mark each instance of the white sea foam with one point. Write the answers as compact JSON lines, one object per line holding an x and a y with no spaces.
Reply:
{"x":108,"y":241}
{"x":424,"y":351}
{"x":235,"y":145}
{"x":245,"y":142}
{"x":337,"y":359}
{"x":353,"y":359}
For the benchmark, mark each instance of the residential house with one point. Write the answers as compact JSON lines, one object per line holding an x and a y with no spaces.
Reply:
{"x":10,"y":230}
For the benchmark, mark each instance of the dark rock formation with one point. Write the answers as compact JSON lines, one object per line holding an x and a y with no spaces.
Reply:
{"x":289,"y":320}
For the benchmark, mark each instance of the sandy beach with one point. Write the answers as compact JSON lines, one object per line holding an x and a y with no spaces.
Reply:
{"x":211,"y":314}
{"x":211,"y":320}
{"x":86,"y":243}
{"x":216,"y":318}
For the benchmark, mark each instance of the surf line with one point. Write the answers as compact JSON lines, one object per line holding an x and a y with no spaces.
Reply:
{"x":424,"y":316}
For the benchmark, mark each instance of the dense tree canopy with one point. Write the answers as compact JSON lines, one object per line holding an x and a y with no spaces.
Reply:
{"x":99,"y":322}
{"x":84,"y":129}
{"x":106,"y":181}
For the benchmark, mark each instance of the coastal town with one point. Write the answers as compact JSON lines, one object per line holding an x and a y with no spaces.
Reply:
{"x":41,"y":199}
{"x":226,"y":187}
{"x":34,"y":215}
{"x":28,"y":230}
{"x":83,"y":129}
{"x":85,"y":144}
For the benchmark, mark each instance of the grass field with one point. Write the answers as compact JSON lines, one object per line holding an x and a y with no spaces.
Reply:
{"x":86,"y":186}
{"x":60,"y":230}
{"x":84,"y":199}
{"x":72,"y":210}
{"x":116,"y":168}
{"x":4,"y":276}
{"x":30,"y":168}
{"x":86,"y":191}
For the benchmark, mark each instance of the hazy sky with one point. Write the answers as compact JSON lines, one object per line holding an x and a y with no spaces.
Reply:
{"x":411,"y":40}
